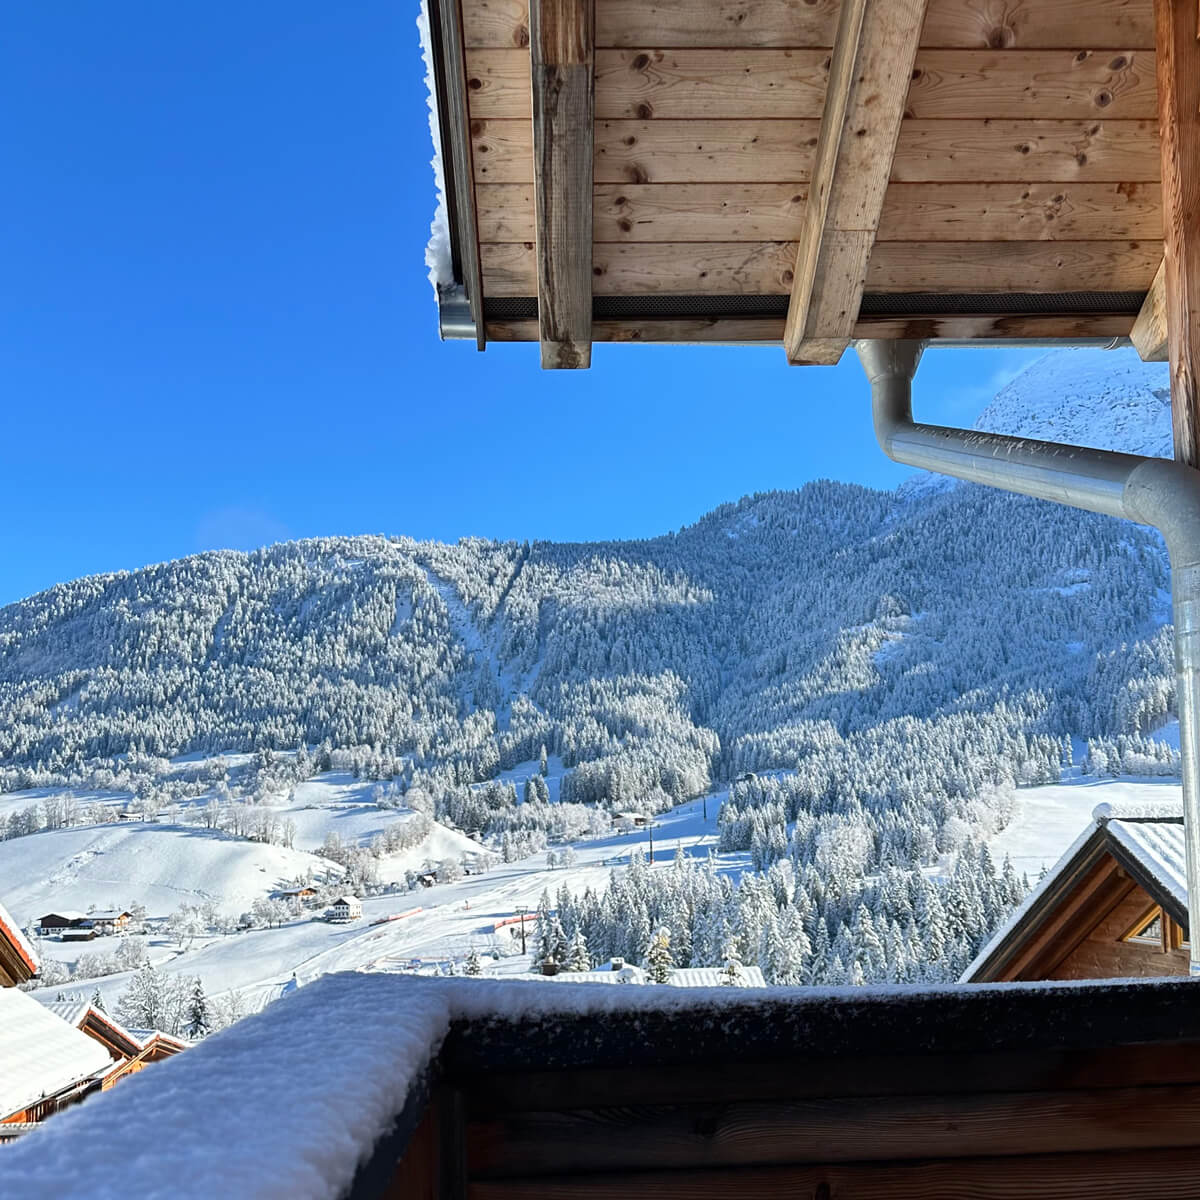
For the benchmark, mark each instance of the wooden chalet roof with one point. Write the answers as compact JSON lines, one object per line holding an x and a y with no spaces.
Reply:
{"x":18,"y":961}
{"x":1139,"y":846}
{"x":804,"y":171}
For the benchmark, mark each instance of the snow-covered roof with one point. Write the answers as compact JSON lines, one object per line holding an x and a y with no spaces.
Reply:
{"x":109,"y":914}
{"x":10,"y":932}
{"x":74,"y":1012}
{"x":686,"y":977}
{"x":1148,"y":834}
{"x":67,"y":914}
{"x":750,"y":977}
{"x":40,"y":1053}
{"x":349,"y":901}
{"x":1158,"y":847}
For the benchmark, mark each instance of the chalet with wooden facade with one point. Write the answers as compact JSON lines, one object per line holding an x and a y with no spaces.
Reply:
{"x":55,"y":922}
{"x":46,"y":1064}
{"x":1114,"y":907}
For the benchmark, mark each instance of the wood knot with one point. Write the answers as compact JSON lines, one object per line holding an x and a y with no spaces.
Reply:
{"x":474,"y":84}
{"x":1081,"y":159}
{"x":645,"y":111}
{"x":637,"y":174}
{"x":641,"y":62}
{"x":625,"y":225}
{"x":1119,"y":63}
{"x":630,"y":140}
{"x":1025,"y":148}
{"x":1103,"y":99}
{"x":1082,"y":56}
{"x":477,"y":128}
{"x":1000,"y":37}
{"x":521,"y":37}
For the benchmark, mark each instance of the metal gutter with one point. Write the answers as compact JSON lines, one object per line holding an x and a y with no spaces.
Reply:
{"x":1151,"y":491}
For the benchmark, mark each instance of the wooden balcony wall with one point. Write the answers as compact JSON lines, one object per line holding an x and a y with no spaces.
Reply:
{"x":1001,"y":1091}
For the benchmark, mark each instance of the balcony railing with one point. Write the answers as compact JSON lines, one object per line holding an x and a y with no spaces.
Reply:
{"x":390,"y":1086}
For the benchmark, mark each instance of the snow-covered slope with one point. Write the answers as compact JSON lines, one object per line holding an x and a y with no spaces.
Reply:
{"x":1108,"y":399}
{"x":160,"y":866}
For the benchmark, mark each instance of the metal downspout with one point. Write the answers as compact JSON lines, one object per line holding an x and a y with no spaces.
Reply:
{"x":1151,"y":491}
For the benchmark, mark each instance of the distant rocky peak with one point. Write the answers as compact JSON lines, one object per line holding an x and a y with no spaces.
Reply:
{"x":1109,"y":399}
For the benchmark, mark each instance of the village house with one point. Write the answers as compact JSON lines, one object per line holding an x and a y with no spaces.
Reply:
{"x":109,"y":921}
{"x":56,"y":922}
{"x":1113,"y":907}
{"x":303,"y":894}
{"x":45,"y":1062}
{"x":346,"y":908}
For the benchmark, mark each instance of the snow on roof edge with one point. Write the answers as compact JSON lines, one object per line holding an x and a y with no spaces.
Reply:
{"x":1138,"y":810}
{"x":437,"y":252}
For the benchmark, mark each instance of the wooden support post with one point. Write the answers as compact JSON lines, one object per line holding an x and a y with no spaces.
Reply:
{"x":1177,"y":25}
{"x":869,"y":76}
{"x":562,"y":69}
{"x":1149,"y":332}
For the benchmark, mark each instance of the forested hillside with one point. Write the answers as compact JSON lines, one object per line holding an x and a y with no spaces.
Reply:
{"x":874,"y":670}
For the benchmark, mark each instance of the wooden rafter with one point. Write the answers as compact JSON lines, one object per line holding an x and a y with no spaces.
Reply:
{"x":562,"y":67}
{"x":869,"y":76}
{"x":1149,"y":332}
{"x":1178,"y":59}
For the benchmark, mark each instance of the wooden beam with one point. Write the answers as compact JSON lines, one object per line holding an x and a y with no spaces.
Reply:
{"x":562,"y":69}
{"x":1178,"y":56}
{"x":869,"y":75}
{"x":863,"y":1129}
{"x":457,"y":126}
{"x":1149,"y":333}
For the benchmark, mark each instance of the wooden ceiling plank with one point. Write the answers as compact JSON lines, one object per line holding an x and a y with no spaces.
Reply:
{"x":754,"y":150}
{"x":1149,"y":333}
{"x":979,"y":24}
{"x":562,"y":66}
{"x":771,"y":212}
{"x":868,"y":84}
{"x":947,"y":84}
{"x":1178,"y":25}
{"x":1039,"y":24}
{"x":766,"y":268}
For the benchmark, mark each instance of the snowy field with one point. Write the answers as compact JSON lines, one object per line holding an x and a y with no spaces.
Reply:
{"x":164,"y":865}
{"x":1049,"y":818}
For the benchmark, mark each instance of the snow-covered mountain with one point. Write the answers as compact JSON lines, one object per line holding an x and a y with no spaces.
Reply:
{"x":855,"y":678}
{"x":1108,"y":399}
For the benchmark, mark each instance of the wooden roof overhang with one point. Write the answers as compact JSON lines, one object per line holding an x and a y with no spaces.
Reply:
{"x":813,"y":171}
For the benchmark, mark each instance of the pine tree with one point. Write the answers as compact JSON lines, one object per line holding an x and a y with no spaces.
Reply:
{"x":473,"y":966}
{"x":659,"y":960}
{"x":198,"y":1024}
{"x":98,"y":1001}
{"x":578,"y":958}
{"x":543,"y":761}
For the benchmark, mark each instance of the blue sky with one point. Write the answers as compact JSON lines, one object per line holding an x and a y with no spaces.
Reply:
{"x":216,"y":330}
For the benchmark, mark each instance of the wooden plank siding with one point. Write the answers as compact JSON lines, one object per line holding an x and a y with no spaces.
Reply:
{"x":1027,"y":159}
